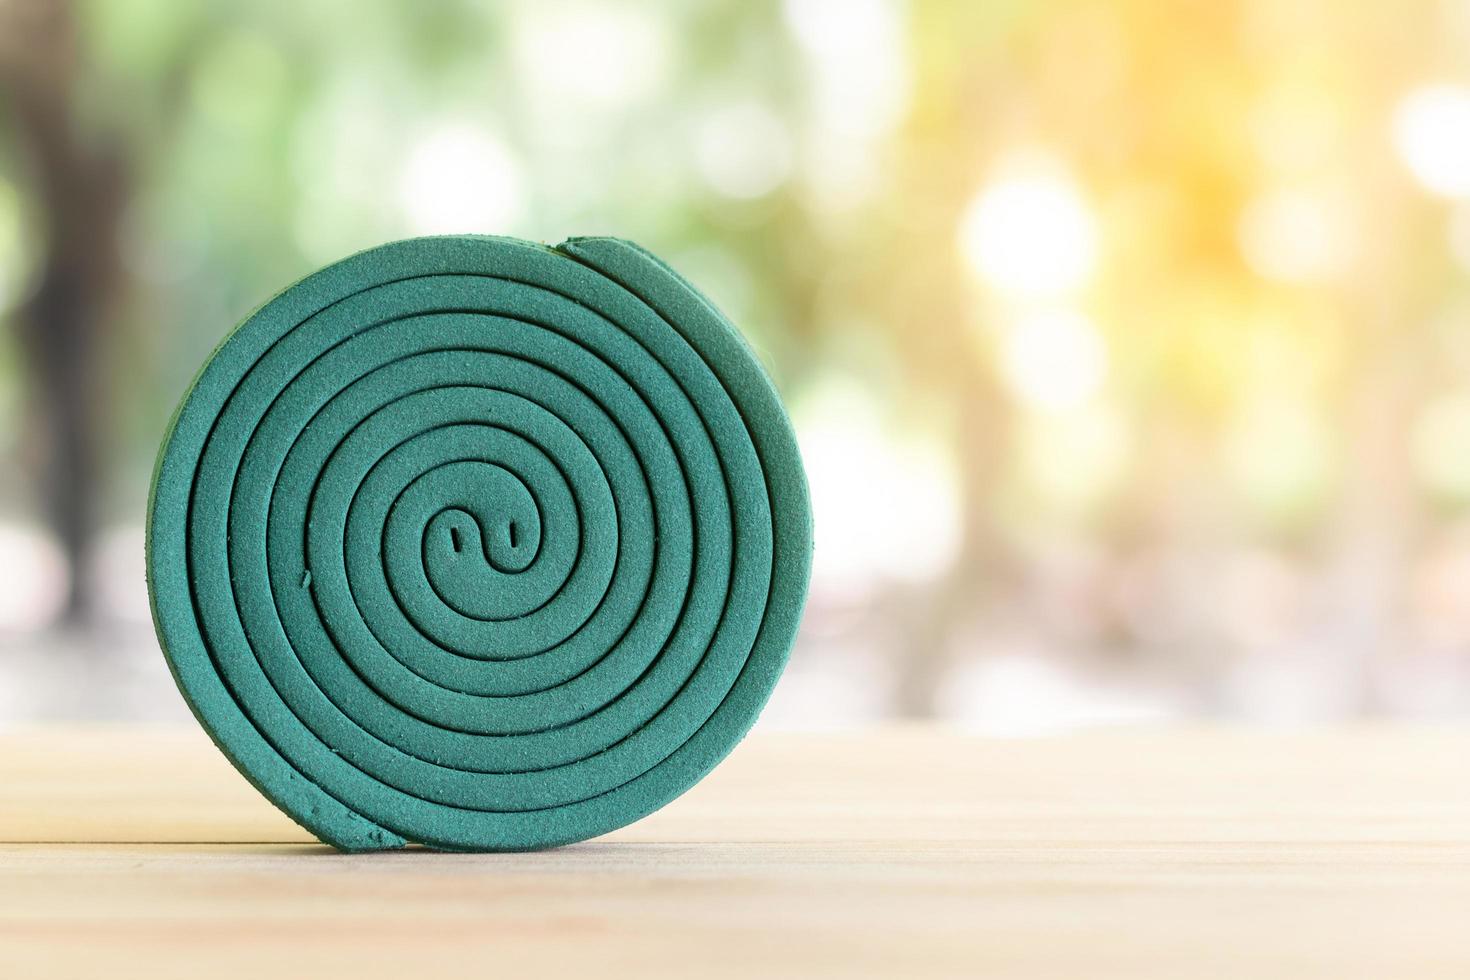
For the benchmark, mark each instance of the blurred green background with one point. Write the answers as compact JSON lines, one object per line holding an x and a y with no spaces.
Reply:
{"x":1128,"y":342}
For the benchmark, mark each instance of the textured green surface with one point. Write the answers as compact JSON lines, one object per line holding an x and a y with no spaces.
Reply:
{"x":480,"y":544}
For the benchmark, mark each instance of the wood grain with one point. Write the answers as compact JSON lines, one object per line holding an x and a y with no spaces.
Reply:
{"x":899,"y":853}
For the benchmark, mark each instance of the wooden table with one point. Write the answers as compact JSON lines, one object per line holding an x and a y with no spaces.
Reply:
{"x":904,"y":853}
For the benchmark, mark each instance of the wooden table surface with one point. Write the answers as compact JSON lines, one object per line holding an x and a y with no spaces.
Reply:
{"x":903,"y":853}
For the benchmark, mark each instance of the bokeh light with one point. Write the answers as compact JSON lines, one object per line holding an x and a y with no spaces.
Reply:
{"x":1030,"y":232}
{"x":597,"y":54}
{"x":1298,"y":235}
{"x":1128,"y":344}
{"x":37,"y":575}
{"x":1441,"y":446}
{"x":1055,"y":359}
{"x":1432,"y":133}
{"x":460,"y":178}
{"x":743,"y":151}
{"x":886,"y":504}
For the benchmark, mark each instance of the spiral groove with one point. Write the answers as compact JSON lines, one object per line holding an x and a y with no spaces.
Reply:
{"x":479,"y":544}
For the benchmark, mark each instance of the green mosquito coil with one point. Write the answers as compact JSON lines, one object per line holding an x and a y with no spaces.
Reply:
{"x":479,"y":544}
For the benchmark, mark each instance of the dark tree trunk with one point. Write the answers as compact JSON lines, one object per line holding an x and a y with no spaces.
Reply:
{"x":77,"y":185}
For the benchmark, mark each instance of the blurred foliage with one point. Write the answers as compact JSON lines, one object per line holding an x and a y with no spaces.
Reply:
{"x":271,"y":138}
{"x":1146,"y":290}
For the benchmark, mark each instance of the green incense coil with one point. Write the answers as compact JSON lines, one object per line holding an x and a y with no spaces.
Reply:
{"x":479,"y":544}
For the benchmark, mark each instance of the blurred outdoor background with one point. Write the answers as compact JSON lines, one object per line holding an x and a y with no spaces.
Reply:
{"x":1128,"y":341}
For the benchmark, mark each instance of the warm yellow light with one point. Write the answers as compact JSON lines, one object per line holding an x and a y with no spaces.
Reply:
{"x":1297,"y":235}
{"x":1458,"y":234}
{"x":1432,"y":134}
{"x":1278,"y":453}
{"x":1071,"y":462}
{"x":1440,"y":446}
{"x":1054,"y":360}
{"x":1031,"y":233}
{"x":1299,"y":125}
